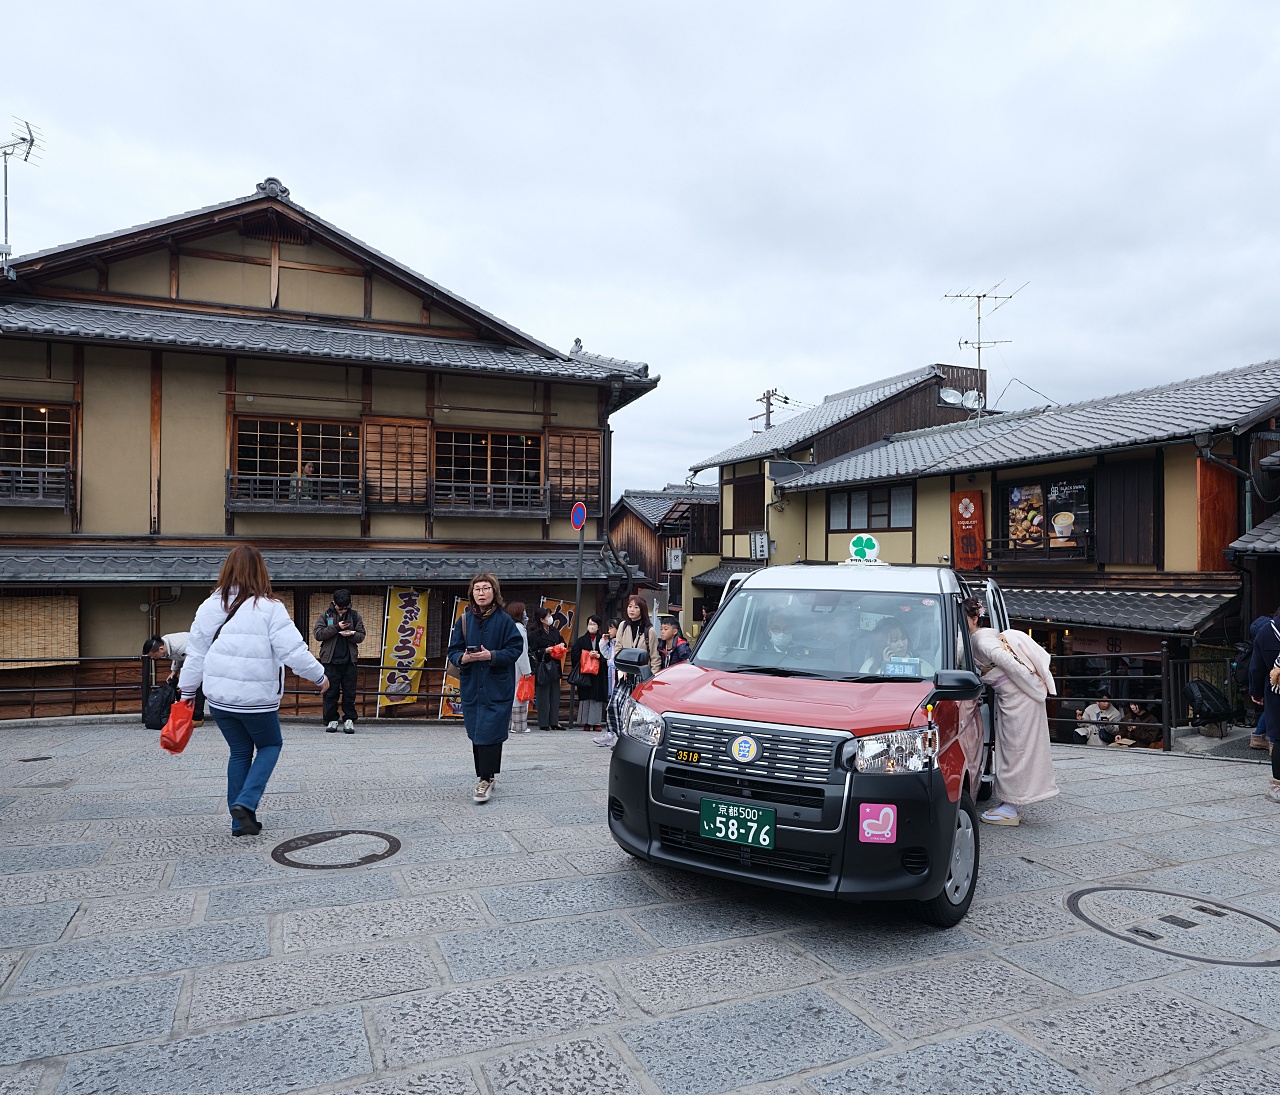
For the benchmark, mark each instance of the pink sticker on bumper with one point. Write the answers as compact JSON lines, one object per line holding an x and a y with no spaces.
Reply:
{"x":877,"y":823}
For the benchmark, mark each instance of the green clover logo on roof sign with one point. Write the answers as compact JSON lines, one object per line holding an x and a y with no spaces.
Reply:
{"x":865,"y":547}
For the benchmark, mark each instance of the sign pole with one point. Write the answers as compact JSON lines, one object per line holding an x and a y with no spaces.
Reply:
{"x":578,"y":518}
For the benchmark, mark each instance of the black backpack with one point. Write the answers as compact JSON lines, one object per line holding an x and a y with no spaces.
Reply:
{"x":155,"y":712}
{"x":1240,"y":664}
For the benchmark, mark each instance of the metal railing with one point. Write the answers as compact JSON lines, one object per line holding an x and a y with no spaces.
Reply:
{"x":450,"y":499}
{"x":42,"y":487}
{"x":293,"y":494}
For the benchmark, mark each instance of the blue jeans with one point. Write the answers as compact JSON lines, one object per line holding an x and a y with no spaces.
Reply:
{"x":254,"y":741}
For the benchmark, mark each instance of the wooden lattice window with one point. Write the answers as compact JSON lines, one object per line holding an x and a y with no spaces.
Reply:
{"x":35,"y":435}
{"x":281,"y":447}
{"x":397,"y":461}
{"x":574,"y":469}
{"x":489,"y":458}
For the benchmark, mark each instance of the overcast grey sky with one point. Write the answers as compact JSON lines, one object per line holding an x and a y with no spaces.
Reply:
{"x":745,"y":195}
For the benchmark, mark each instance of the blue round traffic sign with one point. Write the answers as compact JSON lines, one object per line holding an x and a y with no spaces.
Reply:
{"x":578,"y":515}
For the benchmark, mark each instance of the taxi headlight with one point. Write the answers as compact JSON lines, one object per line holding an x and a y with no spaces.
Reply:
{"x":898,"y":752}
{"x":642,"y":723}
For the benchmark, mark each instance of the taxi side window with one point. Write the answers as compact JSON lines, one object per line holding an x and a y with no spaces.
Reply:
{"x":964,"y":659}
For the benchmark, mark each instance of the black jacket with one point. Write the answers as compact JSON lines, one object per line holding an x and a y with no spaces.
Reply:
{"x":597,"y":687}
{"x":326,"y":633}
{"x":1266,"y":648}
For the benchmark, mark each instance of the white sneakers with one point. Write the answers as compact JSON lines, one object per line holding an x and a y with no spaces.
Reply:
{"x":332,"y":728}
{"x":484,"y":790}
{"x":1273,"y":792}
{"x":605,"y":739}
{"x":348,"y":727}
{"x":1004,"y":814}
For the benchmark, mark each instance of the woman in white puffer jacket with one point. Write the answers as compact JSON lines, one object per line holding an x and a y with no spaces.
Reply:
{"x":241,"y":640}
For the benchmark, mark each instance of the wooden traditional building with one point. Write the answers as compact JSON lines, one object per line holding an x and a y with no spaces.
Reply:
{"x":749,"y":473}
{"x":250,"y":372}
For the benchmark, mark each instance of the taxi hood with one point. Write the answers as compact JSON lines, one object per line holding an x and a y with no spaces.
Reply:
{"x":873,"y":707}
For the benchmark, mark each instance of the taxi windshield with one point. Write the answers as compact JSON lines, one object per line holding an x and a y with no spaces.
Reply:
{"x":845,"y":635}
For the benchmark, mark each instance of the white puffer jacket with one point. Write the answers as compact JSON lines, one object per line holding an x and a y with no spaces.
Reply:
{"x":243,"y":672}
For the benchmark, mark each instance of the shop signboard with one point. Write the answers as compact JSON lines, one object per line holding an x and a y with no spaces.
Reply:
{"x":968,"y":529}
{"x":450,"y":701}
{"x":1069,"y":515}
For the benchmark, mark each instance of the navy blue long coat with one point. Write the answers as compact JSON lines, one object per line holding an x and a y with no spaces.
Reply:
{"x":488,"y":688}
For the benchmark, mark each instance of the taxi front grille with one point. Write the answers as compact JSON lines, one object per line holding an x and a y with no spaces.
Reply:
{"x":812,"y":864}
{"x":714,"y":783}
{"x":797,"y":756}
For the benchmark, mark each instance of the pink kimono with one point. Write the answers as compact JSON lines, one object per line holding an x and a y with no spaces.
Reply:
{"x":1018,"y":669}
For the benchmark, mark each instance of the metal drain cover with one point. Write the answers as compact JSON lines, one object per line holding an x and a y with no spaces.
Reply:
{"x":1197,"y":928}
{"x":335,"y":849}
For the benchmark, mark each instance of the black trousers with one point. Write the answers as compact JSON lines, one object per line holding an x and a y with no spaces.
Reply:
{"x":488,"y":760}
{"x":342,"y":679}
{"x":546,"y":698}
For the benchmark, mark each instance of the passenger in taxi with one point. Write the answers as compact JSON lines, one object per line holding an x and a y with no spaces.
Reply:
{"x":891,"y":652}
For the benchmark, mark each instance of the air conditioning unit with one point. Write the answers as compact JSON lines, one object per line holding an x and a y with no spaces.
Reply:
{"x":759,"y":545}
{"x":675,"y":558}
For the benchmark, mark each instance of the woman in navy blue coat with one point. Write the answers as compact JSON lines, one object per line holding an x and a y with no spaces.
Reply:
{"x":485,"y":647}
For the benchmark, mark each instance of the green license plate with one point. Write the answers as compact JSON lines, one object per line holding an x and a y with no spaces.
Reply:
{"x":734,"y":822}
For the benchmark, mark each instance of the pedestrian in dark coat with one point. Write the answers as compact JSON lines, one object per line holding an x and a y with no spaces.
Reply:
{"x":485,"y":647}
{"x":546,"y":669}
{"x":593,"y":691}
{"x":1264,"y":689}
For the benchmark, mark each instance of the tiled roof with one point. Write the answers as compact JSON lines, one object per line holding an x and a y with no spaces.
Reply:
{"x":165,"y":565}
{"x":719,"y":577}
{"x":1271,"y":462}
{"x":1263,"y":539}
{"x":1212,"y":403}
{"x":272,"y":337}
{"x":653,"y":505}
{"x":788,"y":435}
{"x":272,"y":189}
{"x":1160,"y":613}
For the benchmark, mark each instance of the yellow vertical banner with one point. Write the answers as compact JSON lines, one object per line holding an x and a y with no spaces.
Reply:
{"x":451,"y":702}
{"x":404,"y":646}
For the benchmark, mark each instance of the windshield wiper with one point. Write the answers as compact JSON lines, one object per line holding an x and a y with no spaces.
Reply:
{"x":774,"y":671}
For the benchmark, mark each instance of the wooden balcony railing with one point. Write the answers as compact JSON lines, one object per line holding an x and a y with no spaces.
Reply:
{"x":49,"y":488}
{"x":489,"y":500}
{"x":1078,"y":549}
{"x":293,"y":494}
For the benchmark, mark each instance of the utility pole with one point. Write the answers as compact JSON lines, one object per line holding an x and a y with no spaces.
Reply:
{"x":767,"y":399}
{"x":978,"y":298}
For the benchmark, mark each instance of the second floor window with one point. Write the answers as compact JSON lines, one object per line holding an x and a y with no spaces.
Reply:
{"x":507,"y":459}
{"x":876,"y":508}
{"x":283,"y":446}
{"x":35,"y":436}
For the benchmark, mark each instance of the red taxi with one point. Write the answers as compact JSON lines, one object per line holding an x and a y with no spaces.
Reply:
{"x":827,"y":737}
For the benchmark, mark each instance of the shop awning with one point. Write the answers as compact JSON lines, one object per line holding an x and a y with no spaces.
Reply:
{"x":719,"y":577}
{"x":1181,"y":614}
{"x":148,"y":565}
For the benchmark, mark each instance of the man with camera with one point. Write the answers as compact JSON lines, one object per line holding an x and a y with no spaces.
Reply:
{"x":340,"y":631}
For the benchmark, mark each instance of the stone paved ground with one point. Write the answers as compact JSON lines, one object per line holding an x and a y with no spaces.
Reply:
{"x":513,"y":948}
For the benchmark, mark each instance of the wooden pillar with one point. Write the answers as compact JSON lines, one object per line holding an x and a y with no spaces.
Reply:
{"x":229,"y":520}
{"x":77,"y":374}
{"x":157,"y":402}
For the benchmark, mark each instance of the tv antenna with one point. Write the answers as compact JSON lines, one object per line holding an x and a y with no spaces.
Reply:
{"x":978,"y":298}
{"x":23,"y":143}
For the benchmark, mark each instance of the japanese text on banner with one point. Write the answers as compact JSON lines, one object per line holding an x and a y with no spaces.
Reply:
{"x":404,"y":647}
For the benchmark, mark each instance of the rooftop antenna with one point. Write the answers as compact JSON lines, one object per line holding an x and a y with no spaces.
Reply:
{"x":978,"y":298}
{"x":23,"y":143}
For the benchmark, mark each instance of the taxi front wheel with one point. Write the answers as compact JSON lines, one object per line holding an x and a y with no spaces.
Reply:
{"x":949,"y":907}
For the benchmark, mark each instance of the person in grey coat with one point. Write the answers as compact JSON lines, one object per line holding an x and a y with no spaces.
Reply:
{"x":485,"y":647}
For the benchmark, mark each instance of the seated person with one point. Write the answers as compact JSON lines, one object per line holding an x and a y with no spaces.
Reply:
{"x":1141,"y":728}
{"x":779,"y":633}
{"x":1097,"y":717}
{"x":891,"y":652}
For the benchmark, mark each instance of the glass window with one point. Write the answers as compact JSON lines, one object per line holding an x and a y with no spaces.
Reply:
{"x":35,"y":436}
{"x":489,"y":458}
{"x":857,"y":510}
{"x":280,"y":447}
{"x":839,"y":512}
{"x":830,"y":634}
{"x":900,"y":515}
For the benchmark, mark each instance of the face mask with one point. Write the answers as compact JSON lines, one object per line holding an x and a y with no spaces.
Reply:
{"x":778,"y":636}
{"x":592,"y":628}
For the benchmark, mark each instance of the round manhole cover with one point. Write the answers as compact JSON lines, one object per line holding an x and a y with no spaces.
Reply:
{"x":1197,"y":928}
{"x":335,"y":849}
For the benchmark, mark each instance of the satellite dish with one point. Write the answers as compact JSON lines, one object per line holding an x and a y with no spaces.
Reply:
{"x":973,"y":401}
{"x":950,"y":397}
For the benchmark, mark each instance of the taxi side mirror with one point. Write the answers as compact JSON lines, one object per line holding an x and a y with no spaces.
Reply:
{"x":633,"y":661}
{"x":955,"y":684}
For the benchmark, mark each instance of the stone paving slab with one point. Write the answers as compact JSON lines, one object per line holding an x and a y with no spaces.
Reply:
{"x":512,"y":947}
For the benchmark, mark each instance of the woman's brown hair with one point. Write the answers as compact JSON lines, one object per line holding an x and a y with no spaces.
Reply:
{"x":245,"y":572}
{"x":516,"y":611}
{"x":492,"y":579}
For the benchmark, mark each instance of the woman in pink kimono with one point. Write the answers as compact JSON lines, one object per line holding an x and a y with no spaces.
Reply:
{"x":1017,"y":668}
